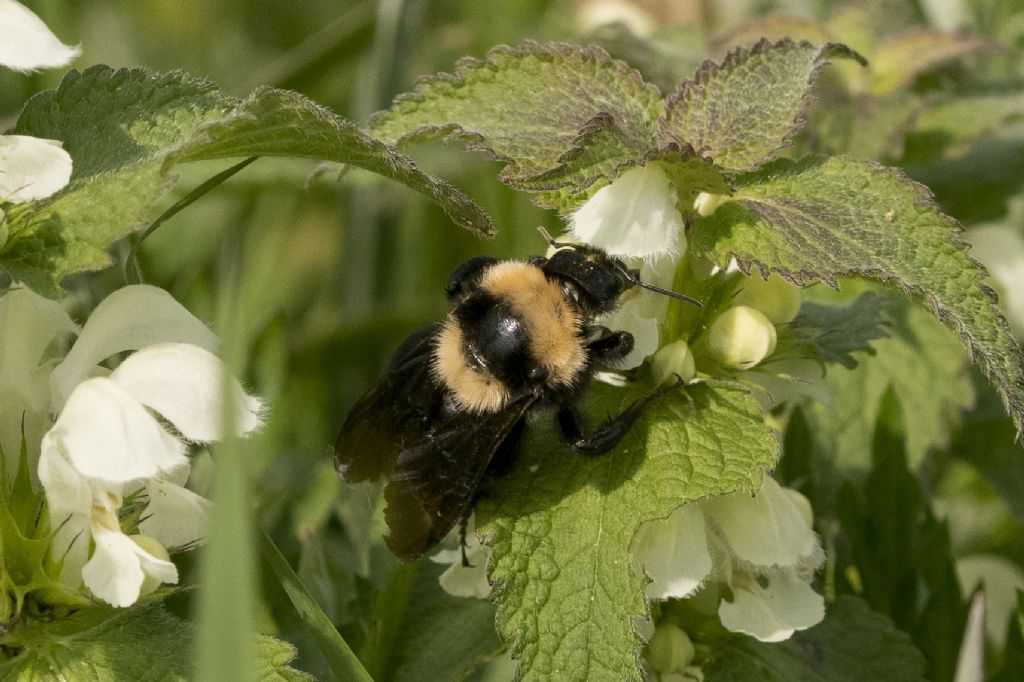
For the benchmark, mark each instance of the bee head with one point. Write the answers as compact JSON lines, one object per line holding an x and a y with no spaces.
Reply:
{"x":598,"y":277}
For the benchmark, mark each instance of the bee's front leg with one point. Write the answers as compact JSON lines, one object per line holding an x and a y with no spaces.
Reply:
{"x":609,"y":433}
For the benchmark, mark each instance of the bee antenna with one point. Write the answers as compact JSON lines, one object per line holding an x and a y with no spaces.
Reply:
{"x":551,"y":240}
{"x":668,"y":292}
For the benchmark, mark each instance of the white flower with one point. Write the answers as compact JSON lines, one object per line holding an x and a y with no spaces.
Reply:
{"x":634,"y":216}
{"x":31,"y":167}
{"x":460,"y":580}
{"x":26,"y":43}
{"x":29,"y":324}
{"x":106,"y":446}
{"x":762,"y":547}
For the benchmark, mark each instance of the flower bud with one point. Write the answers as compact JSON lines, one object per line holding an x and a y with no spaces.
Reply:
{"x":675,"y":358}
{"x":705,"y":204}
{"x":775,"y":297}
{"x":150,"y":546}
{"x":741,"y":337}
{"x":670,"y":649}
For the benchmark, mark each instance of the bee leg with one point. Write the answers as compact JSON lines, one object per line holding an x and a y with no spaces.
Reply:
{"x":608,"y":434}
{"x":608,"y":346}
{"x":463,"y":523}
{"x":467,"y":276}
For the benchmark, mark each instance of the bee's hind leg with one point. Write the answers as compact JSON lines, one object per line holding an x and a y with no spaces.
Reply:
{"x":609,"y":433}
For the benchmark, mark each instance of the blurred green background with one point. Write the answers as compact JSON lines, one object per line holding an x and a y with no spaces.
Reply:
{"x":338,"y":267}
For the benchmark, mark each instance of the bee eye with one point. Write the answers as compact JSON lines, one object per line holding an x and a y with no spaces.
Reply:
{"x":571,"y":293}
{"x":537,"y":374}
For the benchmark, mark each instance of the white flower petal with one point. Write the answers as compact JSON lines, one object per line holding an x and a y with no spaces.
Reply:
{"x":970,"y":664}
{"x":31,"y":167}
{"x":635,"y":215}
{"x":766,"y":529}
{"x":26,"y":43}
{"x":468,"y":581}
{"x":673,"y":552}
{"x":184,"y":383}
{"x":107,"y":435}
{"x":641,"y":312}
{"x":175,"y":516}
{"x":67,"y":491}
{"x":772,"y":613}
{"x":118,"y":566}
{"x":130,"y":318}
{"x":28,"y":325}
{"x":71,"y":544}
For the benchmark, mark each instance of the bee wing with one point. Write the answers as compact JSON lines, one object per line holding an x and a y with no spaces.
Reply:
{"x":435,"y":480}
{"x":398,"y":409}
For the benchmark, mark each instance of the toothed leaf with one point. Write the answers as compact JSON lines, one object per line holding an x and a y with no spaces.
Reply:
{"x":828,"y":218}
{"x":743,"y":111}
{"x":528,"y":105}
{"x":561,"y":524}
{"x":124,"y":129}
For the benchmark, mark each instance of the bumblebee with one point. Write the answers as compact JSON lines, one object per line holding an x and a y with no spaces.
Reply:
{"x":449,"y":409}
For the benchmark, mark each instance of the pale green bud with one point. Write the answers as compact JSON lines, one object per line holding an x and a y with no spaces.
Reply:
{"x":675,"y":358}
{"x":670,"y":649}
{"x":705,"y":204}
{"x":775,"y":297}
{"x":741,"y":337}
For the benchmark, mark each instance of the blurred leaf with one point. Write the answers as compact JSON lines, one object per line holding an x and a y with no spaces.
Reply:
{"x":837,"y":331}
{"x":423,"y":633}
{"x":988,"y":442}
{"x":899,"y":61}
{"x":827,"y":218}
{"x":339,"y":656}
{"x":917,"y":346}
{"x":961,"y":119}
{"x":774,"y":27}
{"x":1012,"y":668}
{"x":880,"y":522}
{"x":743,"y":111}
{"x":124,"y":129}
{"x":528,"y":105}
{"x":864,"y":126}
{"x":900,"y":553}
{"x":664,"y":58}
{"x":560,"y":525}
{"x":852,"y":644}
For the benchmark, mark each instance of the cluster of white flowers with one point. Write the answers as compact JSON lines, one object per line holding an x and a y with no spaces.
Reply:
{"x":30,"y":168}
{"x":107,"y":444}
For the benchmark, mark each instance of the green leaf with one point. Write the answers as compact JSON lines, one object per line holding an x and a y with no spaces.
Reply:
{"x":899,"y":61}
{"x":272,"y":122}
{"x":103,"y":645}
{"x":837,"y":331}
{"x":423,"y":633}
{"x":917,"y":346}
{"x":124,"y":129}
{"x":109,"y":645}
{"x":528,"y":105}
{"x":852,"y":644}
{"x":743,"y":111}
{"x":987,"y":441}
{"x":828,"y":218}
{"x":336,"y":652}
{"x":560,"y":525}
{"x":273,"y":657}
{"x":962,"y":119}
